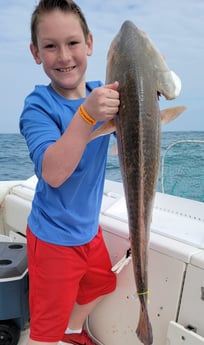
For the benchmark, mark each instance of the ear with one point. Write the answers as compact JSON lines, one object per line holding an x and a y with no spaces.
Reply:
{"x":89,"y":44}
{"x":35,"y":52}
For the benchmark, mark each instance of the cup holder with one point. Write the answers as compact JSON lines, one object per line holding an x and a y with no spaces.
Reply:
{"x":15,"y":246}
{"x":5,"y":262}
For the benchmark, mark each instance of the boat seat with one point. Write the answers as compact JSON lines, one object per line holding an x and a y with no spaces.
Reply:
{"x":17,"y":205}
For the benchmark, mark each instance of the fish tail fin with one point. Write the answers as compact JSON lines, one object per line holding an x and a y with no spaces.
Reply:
{"x":144,"y":328}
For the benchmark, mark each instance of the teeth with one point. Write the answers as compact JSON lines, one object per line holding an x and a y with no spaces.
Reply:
{"x":66,"y":69}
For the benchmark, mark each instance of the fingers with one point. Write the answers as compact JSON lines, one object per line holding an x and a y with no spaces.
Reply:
{"x":113,"y":86}
{"x":111,"y":90}
{"x":103,"y":102}
{"x":112,"y":96}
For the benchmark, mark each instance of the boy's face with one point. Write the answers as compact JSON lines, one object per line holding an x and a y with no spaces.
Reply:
{"x":63,"y":51}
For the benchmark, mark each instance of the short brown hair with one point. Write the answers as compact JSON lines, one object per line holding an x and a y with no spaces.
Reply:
{"x":46,"y":6}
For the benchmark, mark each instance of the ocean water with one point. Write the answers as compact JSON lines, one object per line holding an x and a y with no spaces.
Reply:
{"x":181,"y":166}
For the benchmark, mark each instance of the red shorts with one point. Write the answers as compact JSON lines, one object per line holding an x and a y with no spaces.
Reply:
{"x":61,"y":275}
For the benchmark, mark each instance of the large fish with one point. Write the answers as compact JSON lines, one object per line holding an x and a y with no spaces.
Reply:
{"x":143,"y":75}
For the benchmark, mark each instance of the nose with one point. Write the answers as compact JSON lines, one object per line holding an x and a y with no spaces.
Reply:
{"x":64,"y":54}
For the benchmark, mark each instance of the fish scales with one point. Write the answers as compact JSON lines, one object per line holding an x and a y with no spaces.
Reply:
{"x":143,"y":75}
{"x":138,"y":137}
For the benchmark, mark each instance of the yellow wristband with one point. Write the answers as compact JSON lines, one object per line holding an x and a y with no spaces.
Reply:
{"x":90,"y":120}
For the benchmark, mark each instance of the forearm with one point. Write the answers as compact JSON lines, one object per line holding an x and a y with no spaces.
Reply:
{"x":62,"y":157}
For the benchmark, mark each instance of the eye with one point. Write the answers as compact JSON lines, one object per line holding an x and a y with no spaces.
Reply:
{"x":72,"y":43}
{"x":50,"y":46}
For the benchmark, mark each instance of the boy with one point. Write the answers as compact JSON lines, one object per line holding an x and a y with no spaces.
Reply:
{"x":69,"y":266}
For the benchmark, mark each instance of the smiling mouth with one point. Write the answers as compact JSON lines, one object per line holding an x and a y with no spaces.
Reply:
{"x":69,"y":69}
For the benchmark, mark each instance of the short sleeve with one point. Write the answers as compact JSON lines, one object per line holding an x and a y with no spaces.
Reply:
{"x":38,"y":124}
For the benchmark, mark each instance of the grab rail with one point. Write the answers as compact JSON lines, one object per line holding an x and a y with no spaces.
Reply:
{"x":187,"y":141}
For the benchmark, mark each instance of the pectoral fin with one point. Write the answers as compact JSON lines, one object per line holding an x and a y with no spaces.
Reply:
{"x":168,"y":115}
{"x":107,"y":128}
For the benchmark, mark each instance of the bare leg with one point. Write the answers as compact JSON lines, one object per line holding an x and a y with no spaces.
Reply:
{"x":77,"y":319}
{"x":80,"y":313}
{"x":33,"y":342}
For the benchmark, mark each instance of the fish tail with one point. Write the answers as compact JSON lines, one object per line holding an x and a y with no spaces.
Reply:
{"x":144,"y":328}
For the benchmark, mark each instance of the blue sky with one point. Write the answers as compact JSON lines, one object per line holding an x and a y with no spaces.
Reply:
{"x":176,"y":28}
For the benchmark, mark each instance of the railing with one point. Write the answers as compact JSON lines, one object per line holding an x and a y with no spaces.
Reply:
{"x":182,"y":169}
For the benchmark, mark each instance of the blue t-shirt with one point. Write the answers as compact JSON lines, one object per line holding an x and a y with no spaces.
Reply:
{"x":67,"y":215}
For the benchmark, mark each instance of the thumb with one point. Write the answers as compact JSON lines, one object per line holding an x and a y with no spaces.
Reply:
{"x":113,"y":86}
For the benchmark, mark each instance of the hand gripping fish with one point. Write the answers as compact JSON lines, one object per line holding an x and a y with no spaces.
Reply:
{"x":143,"y":76}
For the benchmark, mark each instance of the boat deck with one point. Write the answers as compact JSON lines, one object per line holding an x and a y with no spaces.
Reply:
{"x":176,"y":265}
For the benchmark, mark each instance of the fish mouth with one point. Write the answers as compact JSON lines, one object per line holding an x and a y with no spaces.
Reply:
{"x":66,"y":70}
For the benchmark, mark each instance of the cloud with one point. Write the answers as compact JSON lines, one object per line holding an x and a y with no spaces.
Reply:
{"x":176,"y":28}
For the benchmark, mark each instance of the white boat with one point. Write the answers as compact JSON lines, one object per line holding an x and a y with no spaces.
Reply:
{"x":176,"y":266}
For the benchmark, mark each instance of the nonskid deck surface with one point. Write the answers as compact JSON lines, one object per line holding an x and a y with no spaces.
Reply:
{"x":24,"y":337}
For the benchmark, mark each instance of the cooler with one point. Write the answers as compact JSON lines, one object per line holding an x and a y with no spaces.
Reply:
{"x":14,"y":304}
